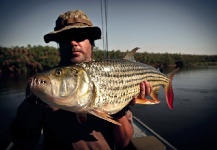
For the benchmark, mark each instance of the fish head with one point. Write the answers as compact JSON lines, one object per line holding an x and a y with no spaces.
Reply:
{"x":66,"y":88}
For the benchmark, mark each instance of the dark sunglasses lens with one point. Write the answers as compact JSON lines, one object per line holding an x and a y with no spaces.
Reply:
{"x":78,"y":37}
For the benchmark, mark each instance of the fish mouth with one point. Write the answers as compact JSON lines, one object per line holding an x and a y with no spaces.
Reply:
{"x":39,"y":83}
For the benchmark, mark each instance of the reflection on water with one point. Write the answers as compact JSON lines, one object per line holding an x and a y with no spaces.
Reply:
{"x":191,"y":125}
{"x":11,"y":83}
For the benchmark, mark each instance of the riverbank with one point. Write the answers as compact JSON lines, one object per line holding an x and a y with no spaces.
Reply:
{"x":18,"y":60}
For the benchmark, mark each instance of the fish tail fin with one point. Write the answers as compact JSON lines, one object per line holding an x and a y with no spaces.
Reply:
{"x":169,"y":90}
{"x":169,"y":96}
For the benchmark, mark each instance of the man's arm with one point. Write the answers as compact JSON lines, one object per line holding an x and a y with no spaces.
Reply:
{"x":123,"y":133}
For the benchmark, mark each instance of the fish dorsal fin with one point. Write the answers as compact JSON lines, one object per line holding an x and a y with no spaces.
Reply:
{"x":130,"y":55}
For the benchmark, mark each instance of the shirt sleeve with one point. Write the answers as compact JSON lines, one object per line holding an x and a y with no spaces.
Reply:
{"x":26,"y":127}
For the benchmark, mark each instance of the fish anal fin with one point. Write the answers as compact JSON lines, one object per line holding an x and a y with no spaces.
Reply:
{"x":103,"y":115}
{"x":154,"y":96}
{"x":146,"y":101}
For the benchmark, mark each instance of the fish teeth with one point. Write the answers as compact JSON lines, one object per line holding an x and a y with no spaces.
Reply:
{"x":39,"y":81}
{"x":36,"y":82}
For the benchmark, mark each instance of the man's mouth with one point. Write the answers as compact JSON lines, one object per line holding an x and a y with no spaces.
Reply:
{"x":76,"y":52}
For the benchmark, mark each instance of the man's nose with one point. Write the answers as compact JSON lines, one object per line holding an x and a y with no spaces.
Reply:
{"x":74,"y":43}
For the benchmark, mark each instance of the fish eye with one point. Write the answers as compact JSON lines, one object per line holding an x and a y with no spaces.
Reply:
{"x":58,"y":72}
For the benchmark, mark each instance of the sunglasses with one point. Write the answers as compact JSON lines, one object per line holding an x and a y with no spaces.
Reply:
{"x":78,"y":37}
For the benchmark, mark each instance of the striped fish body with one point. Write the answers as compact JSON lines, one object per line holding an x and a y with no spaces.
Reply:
{"x":100,"y":88}
{"x":116,"y":82}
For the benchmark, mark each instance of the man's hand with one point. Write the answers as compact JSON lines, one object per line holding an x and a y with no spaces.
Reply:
{"x":145,"y":90}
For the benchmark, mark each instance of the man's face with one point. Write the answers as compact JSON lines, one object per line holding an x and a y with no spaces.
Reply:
{"x":76,"y":49}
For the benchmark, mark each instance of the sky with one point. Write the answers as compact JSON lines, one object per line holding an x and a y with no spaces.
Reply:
{"x":158,"y":26}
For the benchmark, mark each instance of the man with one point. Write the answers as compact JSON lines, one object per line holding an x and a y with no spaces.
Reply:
{"x":75,"y":35}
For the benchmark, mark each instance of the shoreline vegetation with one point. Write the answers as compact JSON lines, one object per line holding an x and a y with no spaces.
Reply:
{"x":29,"y":60}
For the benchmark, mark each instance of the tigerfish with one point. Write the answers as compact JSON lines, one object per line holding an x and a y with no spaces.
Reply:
{"x":100,"y":88}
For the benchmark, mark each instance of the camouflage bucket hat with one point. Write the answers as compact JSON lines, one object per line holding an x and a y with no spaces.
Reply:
{"x":71,"y":23}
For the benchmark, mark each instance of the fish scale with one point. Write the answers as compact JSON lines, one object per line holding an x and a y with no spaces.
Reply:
{"x":121,"y":78}
{"x":101,"y":88}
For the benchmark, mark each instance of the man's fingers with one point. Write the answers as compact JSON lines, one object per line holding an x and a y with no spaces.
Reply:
{"x":148,"y":88}
{"x":142,"y":90}
{"x":145,"y":90}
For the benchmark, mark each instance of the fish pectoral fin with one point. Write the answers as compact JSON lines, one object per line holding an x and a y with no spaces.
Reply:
{"x":102,"y":115}
{"x":146,"y":101}
{"x":81,"y":117}
{"x":54,"y":108}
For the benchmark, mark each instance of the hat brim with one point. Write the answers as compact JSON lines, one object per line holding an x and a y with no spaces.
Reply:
{"x":94,"y":32}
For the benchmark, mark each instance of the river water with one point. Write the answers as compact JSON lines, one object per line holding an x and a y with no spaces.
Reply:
{"x":193,"y":122}
{"x":191,"y":125}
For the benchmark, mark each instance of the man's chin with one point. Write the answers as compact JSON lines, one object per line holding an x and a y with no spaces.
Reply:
{"x":77,"y":60}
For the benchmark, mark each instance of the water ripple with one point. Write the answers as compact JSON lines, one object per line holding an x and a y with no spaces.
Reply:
{"x":198,"y":90}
